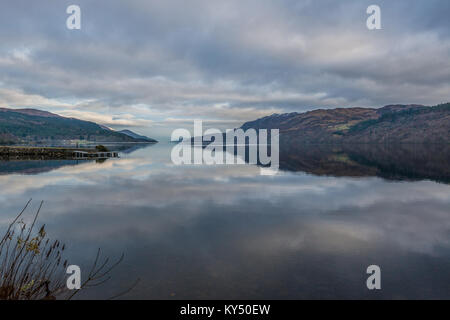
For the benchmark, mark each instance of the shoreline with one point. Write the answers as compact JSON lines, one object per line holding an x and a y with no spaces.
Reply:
{"x":41,"y":153}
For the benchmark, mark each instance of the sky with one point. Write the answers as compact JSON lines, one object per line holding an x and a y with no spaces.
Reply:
{"x":153,"y":66}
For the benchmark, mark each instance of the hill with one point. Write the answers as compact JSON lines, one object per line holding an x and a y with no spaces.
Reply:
{"x":137,"y":136}
{"x":31,"y":125}
{"x":390,"y":124}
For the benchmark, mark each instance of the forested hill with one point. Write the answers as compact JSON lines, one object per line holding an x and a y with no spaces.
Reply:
{"x":390,"y":124}
{"x":31,"y":125}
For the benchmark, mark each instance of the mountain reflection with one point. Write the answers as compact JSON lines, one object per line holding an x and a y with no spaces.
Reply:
{"x":227,"y":232}
{"x":32,"y":166}
{"x":391,"y":162}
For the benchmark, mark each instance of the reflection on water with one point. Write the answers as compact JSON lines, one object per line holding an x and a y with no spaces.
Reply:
{"x":33,"y":166}
{"x":393,"y":162}
{"x":228,"y":232}
{"x":37,"y":166}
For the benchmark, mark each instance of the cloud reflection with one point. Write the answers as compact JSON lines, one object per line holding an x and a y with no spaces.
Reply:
{"x":228,"y":232}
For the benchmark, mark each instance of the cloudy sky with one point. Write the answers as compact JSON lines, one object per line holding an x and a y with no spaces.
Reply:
{"x":152,"y":66}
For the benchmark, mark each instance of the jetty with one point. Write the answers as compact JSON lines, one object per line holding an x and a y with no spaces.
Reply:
{"x":78,"y":154}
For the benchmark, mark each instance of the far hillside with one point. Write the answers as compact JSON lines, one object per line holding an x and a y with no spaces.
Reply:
{"x":31,"y":125}
{"x":390,"y":124}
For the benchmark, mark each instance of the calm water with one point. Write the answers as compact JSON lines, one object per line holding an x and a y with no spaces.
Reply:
{"x":198,"y":232}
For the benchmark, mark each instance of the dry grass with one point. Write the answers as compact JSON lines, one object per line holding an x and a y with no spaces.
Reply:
{"x":32,"y":266}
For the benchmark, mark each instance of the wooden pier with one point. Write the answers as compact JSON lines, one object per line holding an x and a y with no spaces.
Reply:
{"x":78,"y":154}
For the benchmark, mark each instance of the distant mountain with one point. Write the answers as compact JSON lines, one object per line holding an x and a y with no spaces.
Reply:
{"x":390,"y":124}
{"x":31,"y":125}
{"x":137,"y":136}
{"x":32,"y":112}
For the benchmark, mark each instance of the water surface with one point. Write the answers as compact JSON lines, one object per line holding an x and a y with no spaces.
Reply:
{"x":226,"y":232}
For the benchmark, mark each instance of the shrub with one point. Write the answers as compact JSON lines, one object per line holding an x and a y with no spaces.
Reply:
{"x":101,"y":148}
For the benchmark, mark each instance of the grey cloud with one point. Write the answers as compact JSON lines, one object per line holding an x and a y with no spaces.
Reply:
{"x":185,"y":57}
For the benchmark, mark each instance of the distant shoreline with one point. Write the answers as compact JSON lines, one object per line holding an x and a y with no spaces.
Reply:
{"x":39,"y":153}
{"x":69,"y":152}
